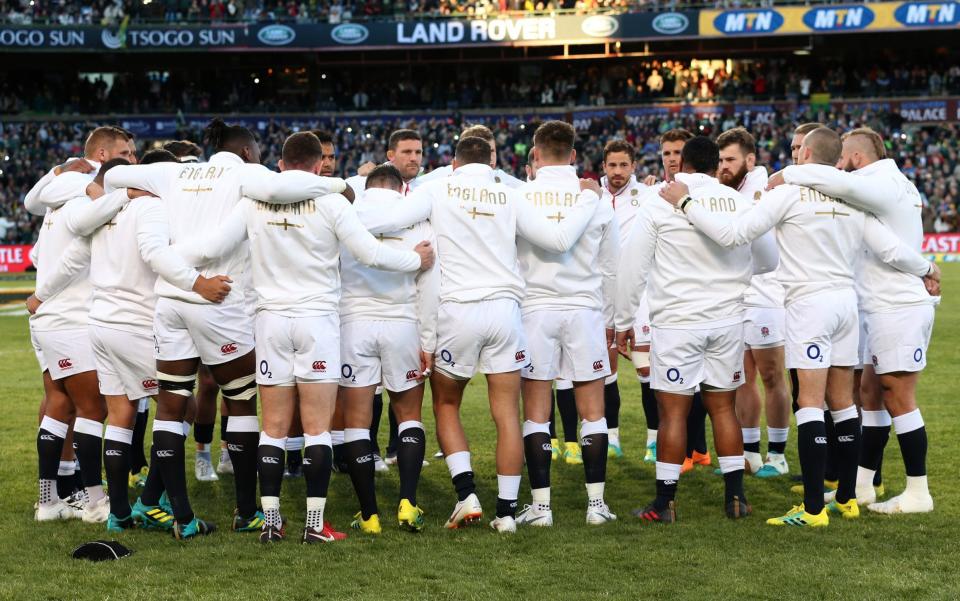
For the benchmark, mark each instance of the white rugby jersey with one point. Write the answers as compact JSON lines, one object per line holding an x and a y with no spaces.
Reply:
{"x":881,"y":189}
{"x":476,"y":221}
{"x":582,"y":276}
{"x":369,"y":293}
{"x":124,"y":257}
{"x":819,"y":238}
{"x":200,"y":196}
{"x":499,"y":176}
{"x":295,"y":251}
{"x":625,"y":201}
{"x":765,"y":290}
{"x":52,"y":191}
{"x":359,"y":184}
{"x":68,"y":308}
{"x":690,"y":281}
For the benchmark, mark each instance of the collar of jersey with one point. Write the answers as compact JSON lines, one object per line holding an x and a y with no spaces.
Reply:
{"x":695,"y":180}
{"x":380,"y":194}
{"x":878,"y":167}
{"x":474,"y":169}
{"x":225,"y":157}
{"x":557,"y":172}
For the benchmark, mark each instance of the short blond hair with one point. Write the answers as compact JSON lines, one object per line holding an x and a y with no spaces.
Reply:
{"x":478,"y":131}
{"x":873,"y":141}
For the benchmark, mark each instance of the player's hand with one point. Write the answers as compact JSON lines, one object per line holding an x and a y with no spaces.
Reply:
{"x":213,"y":289}
{"x":643,"y":372}
{"x":349,"y":193}
{"x":587,"y":183}
{"x":611,"y":337}
{"x":77,"y":165}
{"x":775,"y":180}
{"x":33,"y":303}
{"x":932,"y":280}
{"x":94,"y":190}
{"x":365,"y":169}
{"x":426,"y":365}
{"x":650,"y":180}
{"x":134,"y":193}
{"x":425,"y":250}
{"x":673,"y":192}
{"x":934,"y":273}
{"x":625,"y":342}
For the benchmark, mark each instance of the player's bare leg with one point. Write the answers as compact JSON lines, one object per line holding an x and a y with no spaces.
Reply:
{"x":447,"y":396}
{"x":317,"y":404}
{"x":770,"y":364}
{"x":357,"y":446}
{"x":728,"y":440}
{"x":204,"y":420}
{"x":748,"y":405}
{"x":673,"y":409}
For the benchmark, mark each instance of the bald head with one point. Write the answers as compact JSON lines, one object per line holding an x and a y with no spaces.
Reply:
{"x":821,"y":146}
{"x":861,"y":147}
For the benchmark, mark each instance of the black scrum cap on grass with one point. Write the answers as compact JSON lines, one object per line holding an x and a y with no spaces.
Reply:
{"x":101,"y":550}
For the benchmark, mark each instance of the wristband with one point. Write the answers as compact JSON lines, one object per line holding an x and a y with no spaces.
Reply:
{"x":683,"y":204}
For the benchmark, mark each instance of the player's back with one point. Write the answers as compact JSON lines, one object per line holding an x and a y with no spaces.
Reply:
{"x":295,"y":254}
{"x":70,"y":307}
{"x":376,"y":293}
{"x":694,"y":280}
{"x":572,"y":278}
{"x":819,"y":239}
{"x":475,"y":222}
{"x":879,"y":287}
{"x":123,"y":283}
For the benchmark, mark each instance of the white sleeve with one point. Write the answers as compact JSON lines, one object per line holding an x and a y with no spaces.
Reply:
{"x":54,"y":190}
{"x":153,"y":240}
{"x":412,"y":209}
{"x":73,"y":260}
{"x":888,"y":247}
{"x":155,"y":178}
{"x":635,"y":262}
{"x":32,"y":200}
{"x":428,"y":303}
{"x":85,"y":217}
{"x":508,"y":180}
{"x":204,"y":248}
{"x":742,"y":229}
{"x":559,"y":237}
{"x":765,"y":253}
{"x":608,"y":260}
{"x":363,"y":246}
{"x":287,"y":187}
{"x":869,"y":194}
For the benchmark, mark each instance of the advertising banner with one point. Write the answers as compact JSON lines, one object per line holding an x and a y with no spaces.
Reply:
{"x":14,"y":258}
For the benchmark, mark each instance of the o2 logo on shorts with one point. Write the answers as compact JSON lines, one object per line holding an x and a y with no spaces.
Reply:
{"x":673,"y":375}
{"x":814,"y":352}
{"x":918,"y":355}
{"x":447,"y":357}
{"x":736,"y":376}
{"x":320,"y":366}
{"x":228,"y":349}
{"x":412,"y":375}
{"x":149,"y":384}
{"x":520,"y":356}
{"x":65,"y":363}
{"x":346,"y":372}
{"x":598,"y":366}
{"x":764,"y":331}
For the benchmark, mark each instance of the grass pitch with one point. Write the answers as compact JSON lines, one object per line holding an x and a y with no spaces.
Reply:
{"x":703,"y":556}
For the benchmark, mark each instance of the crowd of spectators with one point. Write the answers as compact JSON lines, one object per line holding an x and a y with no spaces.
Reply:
{"x":109,"y":12}
{"x":298,"y":89}
{"x":928,"y":156}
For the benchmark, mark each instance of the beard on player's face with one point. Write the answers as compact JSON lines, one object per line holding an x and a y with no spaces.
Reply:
{"x":733,"y":179}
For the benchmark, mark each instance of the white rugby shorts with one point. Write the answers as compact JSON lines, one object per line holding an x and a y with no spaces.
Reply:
{"x":38,"y":351}
{"x":571,"y":345}
{"x":375,"y":351}
{"x":294,"y":350}
{"x":125,"y":363}
{"x":681,"y":359}
{"x":763,"y":327}
{"x":898,"y":340}
{"x":823,"y":330}
{"x":215,"y":333}
{"x":66,"y":352}
{"x":485,"y":336}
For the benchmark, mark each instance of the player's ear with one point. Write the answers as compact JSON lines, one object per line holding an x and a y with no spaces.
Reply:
{"x":455,"y":165}
{"x":281,"y":166}
{"x":390,"y":155}
{"x":573,"y":156}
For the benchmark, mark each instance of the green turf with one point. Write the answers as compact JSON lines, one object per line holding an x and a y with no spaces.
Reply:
{"x":703,"y":556}
{"x":25,"y":281}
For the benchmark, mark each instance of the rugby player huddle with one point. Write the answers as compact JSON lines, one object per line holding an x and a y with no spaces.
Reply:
{"x":312,"y":292}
